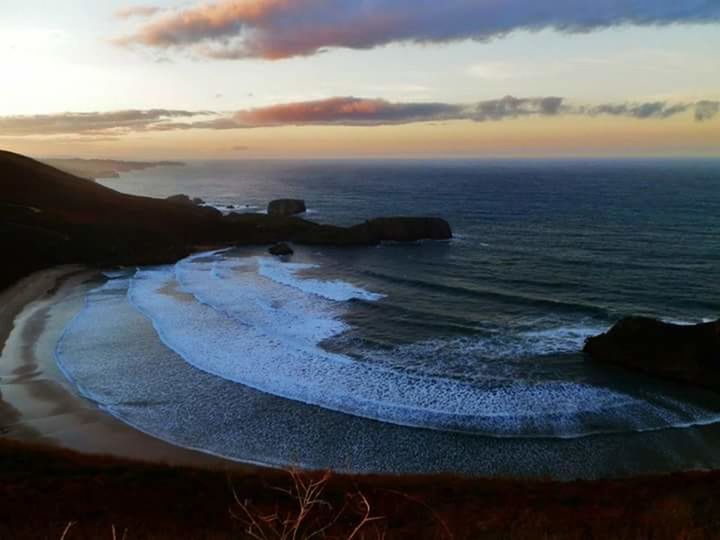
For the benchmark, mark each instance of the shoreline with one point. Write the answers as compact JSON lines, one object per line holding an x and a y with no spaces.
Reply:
{"x":84,"y":469}
{"x":38,"y":405}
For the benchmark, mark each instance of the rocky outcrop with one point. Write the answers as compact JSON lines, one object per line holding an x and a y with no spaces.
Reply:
{"x":286,"y":207}
{"x":49,"y":217}
{"x":280,"y":249}
{"x":409,"y":229}
{"x":180,"y":198}
{"x":292,"y":229}
{"x":185,"y":200}
{"x":686,"y":353}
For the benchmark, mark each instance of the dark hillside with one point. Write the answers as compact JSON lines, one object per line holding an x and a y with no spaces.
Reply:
{"x":50,"y":217}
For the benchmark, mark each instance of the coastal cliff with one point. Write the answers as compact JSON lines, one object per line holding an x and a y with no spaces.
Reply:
{"x":93,"y":169}
{"x":50,"y":217}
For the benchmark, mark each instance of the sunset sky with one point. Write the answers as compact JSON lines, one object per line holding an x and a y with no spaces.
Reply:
{"x":352,"y":78}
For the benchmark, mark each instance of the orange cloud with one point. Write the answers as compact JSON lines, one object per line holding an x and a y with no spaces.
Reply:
{"x":339,"y":111}
{"x":344,"y":110}
{"x":217,"y":20}
{"x":276,"y":29}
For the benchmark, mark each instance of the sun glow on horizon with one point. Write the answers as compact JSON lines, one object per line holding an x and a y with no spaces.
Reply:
{"x":618,"y":85}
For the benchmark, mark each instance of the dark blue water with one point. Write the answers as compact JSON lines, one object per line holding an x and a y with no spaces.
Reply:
{"x":477,"y":337}
{"x":575,"y":239}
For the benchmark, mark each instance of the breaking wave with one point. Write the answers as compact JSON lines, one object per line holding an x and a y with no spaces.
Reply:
{"x":258,"y":322}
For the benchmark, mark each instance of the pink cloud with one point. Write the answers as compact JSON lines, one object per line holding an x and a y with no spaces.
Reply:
{"x":276,"y":29}
{"x":345,"y":110}
{"x":338,"y":111}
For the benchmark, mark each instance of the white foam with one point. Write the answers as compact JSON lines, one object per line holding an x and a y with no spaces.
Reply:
{"x":564,"y":339}
{"x":507,"y":345}
{"x":683,"y":322}
{"x":502,"y":356}
{"x":249,"y":300}
{"x":286,"y":274}
{"x":112,"y":274}
{"x":114,"y":284}
{"x":265,"y":335}
{"x":223,"y":207}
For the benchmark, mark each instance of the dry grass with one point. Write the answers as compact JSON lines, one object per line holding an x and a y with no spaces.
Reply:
{"x":53,"y":494}
{"x":305,"y":514}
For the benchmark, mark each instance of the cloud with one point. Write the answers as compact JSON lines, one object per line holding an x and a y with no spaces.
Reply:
{"x":61,"y":139}
{"x":137,"y":11}
{"x":274,"y":29}
{"x":353,"y":111}
{"x":706,"y":110}
{"x":90,"y":123}
{"x":220,"y":123}
{"x":512,"y":107}
{"x":338,"y":111}
{"x":654,"y":109}
{"x":346,"y":111}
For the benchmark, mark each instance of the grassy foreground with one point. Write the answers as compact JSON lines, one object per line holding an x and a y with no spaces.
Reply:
{"x":50,"y":493}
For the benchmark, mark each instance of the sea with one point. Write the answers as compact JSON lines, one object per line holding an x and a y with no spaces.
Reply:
{"x":460,"y":356}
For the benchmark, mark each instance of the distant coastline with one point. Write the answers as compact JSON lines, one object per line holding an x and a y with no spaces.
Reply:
{"x":94,"y":169}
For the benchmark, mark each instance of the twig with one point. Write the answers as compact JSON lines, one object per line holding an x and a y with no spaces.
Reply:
{"x":69,"y":526}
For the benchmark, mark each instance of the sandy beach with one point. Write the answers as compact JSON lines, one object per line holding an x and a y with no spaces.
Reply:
{"x":37,"y":404}
{"x":70,"y":470}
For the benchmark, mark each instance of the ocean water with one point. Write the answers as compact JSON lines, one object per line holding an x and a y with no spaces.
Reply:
{"x":461,"y":355}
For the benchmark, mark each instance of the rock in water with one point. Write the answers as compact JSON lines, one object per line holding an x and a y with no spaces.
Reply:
{"x":687,"y":353}
{"x":408,"y":229}
{"x":286,"y":207}
{"x":281,"y":248}
{"x":50,"y":217}
{"x":198,"y":201}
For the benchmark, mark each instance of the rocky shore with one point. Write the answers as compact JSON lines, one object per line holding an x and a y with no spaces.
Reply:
{"x":49,"y":217}
{"x":684,"y":353}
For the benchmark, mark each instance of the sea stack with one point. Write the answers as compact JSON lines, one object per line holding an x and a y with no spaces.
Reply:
{"x":409,"y":229}
{"x":51,"y":217}
{"x":686,"y":353}
{"x":286,"y":207}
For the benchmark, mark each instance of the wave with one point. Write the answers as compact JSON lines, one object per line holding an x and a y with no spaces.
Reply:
{"x":266,"y":335}
{"x":684,"y":322}
{"x":148,"y":386}
{"x":501,"y":295}
{"x":513,"y":357}
{"x":228,"y":208}
{"x":286,"y":274}
{"x":120,"y":272}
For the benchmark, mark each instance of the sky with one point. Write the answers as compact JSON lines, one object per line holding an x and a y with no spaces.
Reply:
{"x":182,"y":79}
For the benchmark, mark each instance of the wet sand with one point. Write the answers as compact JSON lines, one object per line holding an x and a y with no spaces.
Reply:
{"x":38,"y":405}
